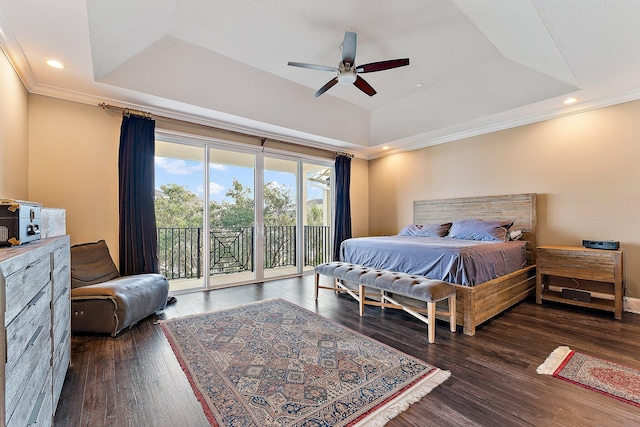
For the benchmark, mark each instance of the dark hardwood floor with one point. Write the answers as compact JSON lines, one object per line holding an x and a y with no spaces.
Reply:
{"x":135,"y":380}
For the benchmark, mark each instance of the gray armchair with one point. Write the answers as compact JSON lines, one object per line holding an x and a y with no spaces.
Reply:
{"x":104,"y":302}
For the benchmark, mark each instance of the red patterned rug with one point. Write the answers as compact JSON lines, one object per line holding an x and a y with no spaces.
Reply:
{"x":273,"y":363}
{"x":611,"y":379}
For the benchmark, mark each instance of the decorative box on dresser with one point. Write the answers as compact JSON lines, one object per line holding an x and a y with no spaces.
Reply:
{"x":35,"y":313}
{"x":596,"y":274}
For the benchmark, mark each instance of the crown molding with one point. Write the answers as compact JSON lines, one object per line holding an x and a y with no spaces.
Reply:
{"x":262,"y":130}
{"x":255,"y":128}
{"x":590,"y":105}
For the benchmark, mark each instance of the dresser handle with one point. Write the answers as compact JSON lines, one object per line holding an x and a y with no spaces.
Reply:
{"x":575,"y":266}
{"x":34,"y":337}
{"x":35,"y":413}
{"x":35,"y":299}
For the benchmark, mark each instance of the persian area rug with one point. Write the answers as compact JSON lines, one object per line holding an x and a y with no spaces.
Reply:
{"x":611,"y":379}
{"x":273,"y":363}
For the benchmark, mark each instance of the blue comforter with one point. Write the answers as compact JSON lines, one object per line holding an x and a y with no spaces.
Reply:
{"x":464,"y":262}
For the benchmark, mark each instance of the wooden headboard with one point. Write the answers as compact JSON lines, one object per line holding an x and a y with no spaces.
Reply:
{"x":522,"y":207}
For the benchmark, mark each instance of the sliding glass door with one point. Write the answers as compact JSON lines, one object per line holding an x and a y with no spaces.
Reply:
{"x":180,"y":214}
{"x":228,"y":216}
{"x":280,"y":217}
{"x":231,"y":217}
{"x":316,"y":214}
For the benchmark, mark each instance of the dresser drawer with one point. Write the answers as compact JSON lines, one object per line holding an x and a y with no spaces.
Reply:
{"x":61,"y":257}
{"x":61,"y":282}
{"x":61,"y":329}
{"x":24,"y":379}
{"x":24,"y":284}
{"x":61,"y":341}
{"x":60,"y":366}
{"x":590,"y":265}
{"x":61,"y":274}
{"x":62,"y":304}
{"x":22,"y":332}
{"x":36,"y":411}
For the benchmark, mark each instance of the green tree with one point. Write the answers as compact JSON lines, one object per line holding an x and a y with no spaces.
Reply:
{"x":314,"y":215}
{"x":179,"y":214}
{"x":236,"y":212}
{"x":177,"y":207}
{"x":279,"y":208}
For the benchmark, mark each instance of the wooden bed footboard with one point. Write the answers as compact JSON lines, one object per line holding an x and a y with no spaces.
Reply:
{"x":476,"y":305}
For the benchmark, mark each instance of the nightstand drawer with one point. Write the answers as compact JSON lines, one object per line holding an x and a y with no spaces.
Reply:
{"x":592,"y":265}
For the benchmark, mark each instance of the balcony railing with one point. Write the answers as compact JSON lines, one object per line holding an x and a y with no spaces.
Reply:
{"x":232,"y":249}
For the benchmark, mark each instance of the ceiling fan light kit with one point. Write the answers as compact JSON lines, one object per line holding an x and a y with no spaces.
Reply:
{"x":347,"y":71}
{"x":347,"y":77}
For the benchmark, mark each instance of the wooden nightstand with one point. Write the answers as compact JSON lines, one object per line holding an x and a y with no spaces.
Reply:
{"x":596,"y":271}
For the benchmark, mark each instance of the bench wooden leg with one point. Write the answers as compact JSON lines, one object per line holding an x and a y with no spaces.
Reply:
{"x":431,"y":325}
{"x":452,"y":312}
{"x":317,"y":283}
{"x":361,"y":301}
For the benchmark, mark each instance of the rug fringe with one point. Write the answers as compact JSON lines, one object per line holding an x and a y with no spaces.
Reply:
{"x":384,"y":414}
{"x":554,"y":360}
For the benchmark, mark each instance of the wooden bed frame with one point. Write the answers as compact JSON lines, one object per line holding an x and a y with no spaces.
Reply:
{"x":480,"y":303}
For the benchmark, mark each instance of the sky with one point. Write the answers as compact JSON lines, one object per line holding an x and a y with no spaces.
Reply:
{"x":189,"y":174}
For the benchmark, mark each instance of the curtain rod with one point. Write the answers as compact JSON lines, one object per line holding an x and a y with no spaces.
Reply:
{"x":262,"y":140}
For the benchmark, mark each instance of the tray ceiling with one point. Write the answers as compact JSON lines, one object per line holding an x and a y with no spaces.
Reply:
{"x":475,"y":66}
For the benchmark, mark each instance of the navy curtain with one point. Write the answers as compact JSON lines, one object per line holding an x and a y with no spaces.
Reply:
{"x":138,"y":233}
{"x":342,"y":226}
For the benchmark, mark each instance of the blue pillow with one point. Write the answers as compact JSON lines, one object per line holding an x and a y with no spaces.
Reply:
{"x":479,"y":229}
{"x":430,"y":230}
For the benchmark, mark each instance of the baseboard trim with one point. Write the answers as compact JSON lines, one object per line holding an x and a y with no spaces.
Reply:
{"x":632,"y":305}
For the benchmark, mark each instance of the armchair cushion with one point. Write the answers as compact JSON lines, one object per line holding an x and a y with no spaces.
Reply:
{"x":111,"y":306}
{"x":91,"y":263}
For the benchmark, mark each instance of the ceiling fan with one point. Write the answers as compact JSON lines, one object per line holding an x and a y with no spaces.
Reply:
{"x":348,"y":71}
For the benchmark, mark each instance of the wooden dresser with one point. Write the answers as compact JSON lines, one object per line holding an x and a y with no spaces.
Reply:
{"x":36,"y":311}
{"x":595,"y":276}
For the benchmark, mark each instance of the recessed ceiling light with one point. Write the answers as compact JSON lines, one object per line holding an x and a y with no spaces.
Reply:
{"x":419,"y":85}
{"x":386,"y":147}
{"x":570,"y":101}
{"x":55,"y":64}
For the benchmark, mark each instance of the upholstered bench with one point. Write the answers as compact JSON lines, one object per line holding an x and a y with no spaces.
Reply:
{"x":102,"y":301}
{"x":407,"y":285}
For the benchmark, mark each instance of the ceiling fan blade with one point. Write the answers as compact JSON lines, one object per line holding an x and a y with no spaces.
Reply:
{"x":313,"y":66}
{"x":361,"y":84}
{"x":349,"y":47}
{"x":326,"y":87}
{"x":382,"y":65}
